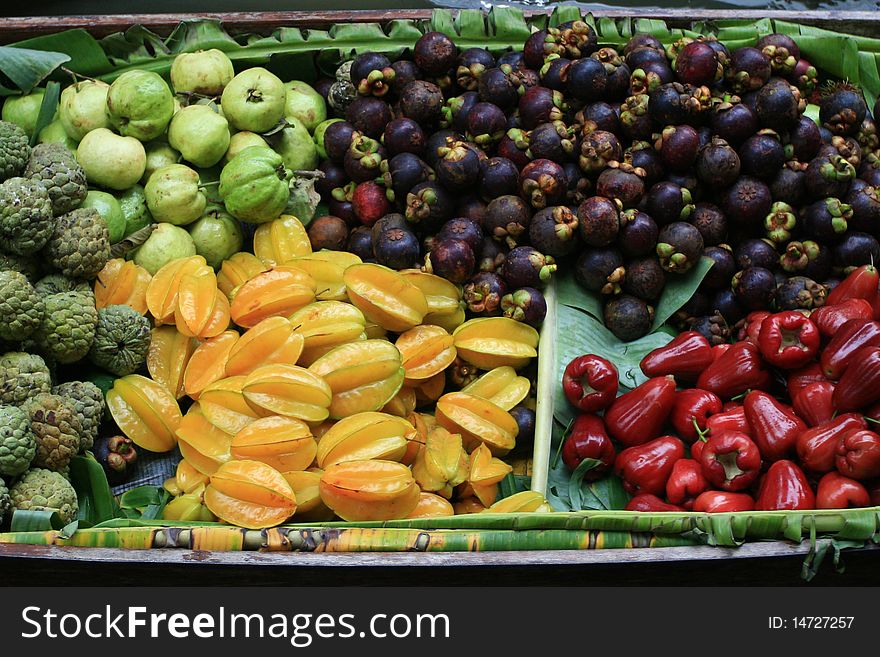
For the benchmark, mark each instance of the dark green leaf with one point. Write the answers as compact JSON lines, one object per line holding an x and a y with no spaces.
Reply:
{"x":142,"y":497}
{"x":86,"y":55}
{"x":35,"y":521}
{"x":610,"y":492}
{"x":577,"y":479}
{"x":569,"y":293}
{"x":92,"y":490}
{"x":27,"y":68}
{"x":48,"y":107}
{"x":679,"y":289}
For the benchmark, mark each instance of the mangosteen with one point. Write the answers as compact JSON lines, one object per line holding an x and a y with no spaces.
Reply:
{"x":711,"y":222}
{"x":697,"y":64}
{"x":554,"y":231}
{"x":474,"y":209}
{"x":499,"y":177}
{"x":598,"y":149}
{"x":539,"y":105}
{"x":587,"y":80}
{"x":542,"y":183}
{"x":360,"y":243}
{"x":649,"y":76}
{"x":322,"y":86}
{"x":600,"y":270}
{"x":552,"y":141}
{"x":803,"y":140}
{"x":514,"y":146}
{"x":492,"y":255}
{"x":717,"y":164}
{"x":782,"y":52}
{"x":497,"y":86}
{"x":603,"y":115}
{"x":452,"y":259}
{"x":722,"y":269}
{"x":644,"y":158}
{"x":339,"y":204}
{"x":638,"y":233}
{"x":724,"y":303}
{"x":778,"y":105}
{"x":799,"y":293}
{"x":337,"y":138}
{"x":439,"y":140}
{"x":695,"y":307}
{"x":117,"y":456}
{"x":639,"y":56}
{"x":635,"y":119}
{"x":334,"y":176}
{"x":458,"y":166}
{"x":679,"y":246}
{"x":643,"y":40}
{"x":780,"y":222}
{"x":525,"y":266}
{"x":403,"y":172}
{"x":842,"y":110}
{"x":713,"y":327}
{"x":616,"y":71}
{"x":483,"y":292}
{"x":435,"y":53}
{"x":628,"y":317}
{"x":397,"y":248}
{"x":456,"y":110}
{"x":670,"y":104}
{"x":805,"y":77}
{"x":507,"y":219}
{"x":389,"y":221}
{"x":678,"y":146}
{"x":734,"y":122}
{"x":526,"y":305}
{"x":789,"y":184}
{"x":429,"y":206}
{"x":539,"y":46}
{"x":465,"y":230}
{"x":486,"y":124}
{"x":554,"y":72}
{"x":598,"y":221}
{"x":513,"y":58}
{"x":749,"y":70}
{"x":668,"y":202}
{"x":687,"y":180}
{"x":525,"y":421}
{"x":579,"y":186}
{"x":471,"y":65}
{"x":754,"y":288}
{"x":422,"y":102}
{"x":865,"y":203}
{"x":826,"y":220}
{"x":363,"y":159}
{"x":868,"y":135}
{"x":578,"y":38}
{"x":405,"y":71}
{"x":856,"y":249}
{"x":370,"y":202}
{"x":371,"y":74}
{"x":755,"y":253}
{"x":328,"y":232}
{"x":762,"y":155}
{"x":747,"y":201}
{"x":808,"y":258}
{"x":645,"y":278}
{"x":369,"y":115}
{"x":623,"y":184}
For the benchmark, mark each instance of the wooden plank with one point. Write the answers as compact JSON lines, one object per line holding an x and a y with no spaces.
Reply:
{"x":18,"y":28}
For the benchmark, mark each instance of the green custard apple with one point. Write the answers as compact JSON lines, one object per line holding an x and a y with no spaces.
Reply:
{"x":140,"y":104}
{"x":133,"y":203}
{"x":173,"y":195}
{"x":166,"y":243}
{"x":204,"y":72}
{"x":83,"y":108}
{"x":297,"y":148}
{"x":108,"y":207}
{"x":14,"y":150}
{"x":254,"y":185}
{"x":40,"y":489}
{"x":26,"y":222}
{"x":24,"y":110}
{"x":57,"y":170}
{"x":200,"y":134}
{"x":111,"y":160}
{"x":217,"y":235}
{"x":303,"y":103}
{"x":80,"y":245}
{"x":22,"y":376}
{"x":159,"y":154}
{"x":122,"y":340}
{"x":241,"y":140}
{"x":254,"y":100}
{"x":17,"y":442}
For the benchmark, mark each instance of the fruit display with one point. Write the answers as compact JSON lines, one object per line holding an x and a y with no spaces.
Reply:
{"x":323,"y":299}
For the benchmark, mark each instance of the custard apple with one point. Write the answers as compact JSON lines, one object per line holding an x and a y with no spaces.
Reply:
{"x":21,"y":308}
{"x":68,"y":327}
{"x":56,"y":429}
{"x":17,"y":442}
{"x":26,"y":221}
{"x":30,"y":267}
{"x":5,"y":502}
{"x":56,"y":283}
{"x":42,"y":490}
{"x":122,"y":339}
{"x":14,"y":150}
{"x":80,"y":245}
{"x":56,"y":169}
{"x":22,"y":376}
{"x":88,"y":402}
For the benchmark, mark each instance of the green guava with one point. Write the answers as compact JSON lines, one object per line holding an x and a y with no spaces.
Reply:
{"x":204,"y":72}
{"x":296,"y":147}
{"x":159,"y":154}
{"x":140,"y":104}
{"x":174,"y":196}
{"x":166,"y":243}
{"x":241,"y":140}
{"x":54,"y":133}
{"x":133,"y":202}
{"x":303,"y":103}
{"x":23,"y":110}
{"x":111,"y":160}
{"x":254,"y":185}
{"x":254,"y":100}
{"x":83,"y":108}
{"x":108,"y":207}
{"x":216,"y":234}
{"x":200,"y":134}
{"x":319,"y":136}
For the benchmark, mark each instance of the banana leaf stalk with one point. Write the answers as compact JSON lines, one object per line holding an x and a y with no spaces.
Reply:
{"x":352,"y":539}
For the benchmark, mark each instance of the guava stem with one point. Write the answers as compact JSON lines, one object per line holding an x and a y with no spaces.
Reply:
{"x":209,"y":184}
{"x":77,"y":76}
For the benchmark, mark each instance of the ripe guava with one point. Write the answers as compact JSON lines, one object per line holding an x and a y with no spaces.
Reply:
{"x":216,"y":234}
{"x":166,"y":243}
{"x":254,"y":100}
{"x":111,"y":160}
{"x":303,"y":103}
{"x":200,"y":134}
{"x":174,"y":196}
{"x":83,"y":108}
{"x":140,"y":104}
{"x":204,"y":72}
